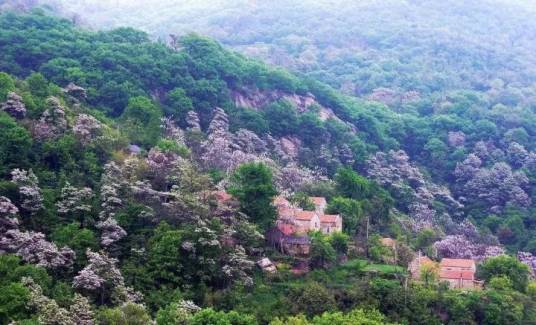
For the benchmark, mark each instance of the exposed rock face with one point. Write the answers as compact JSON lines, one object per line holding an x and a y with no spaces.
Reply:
{"x":291,"y":146}
{"x":14,"y":106}
{"x":256,"y":99}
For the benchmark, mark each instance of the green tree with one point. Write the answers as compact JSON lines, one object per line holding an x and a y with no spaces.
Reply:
{"x":209,"y":316}
{"x":38,"y":85}
{"x":350,"y":210}
{"x":15,"y":145}
{"x":507,"y":266}
{"x":7,"y":84}
{"x":173,"y":314}
{"x":351,"y":185}
{"x":339,"y":242}
{"x":127,"y":314}
{"x":78,"y":239}
{"x":141,"y":121}
{"x":252,"y":185}
{"x":303,"y":201}
{"x":14,"y":302}
{"x":322,"y":254}
{"x":282,"y":118}
{"x":178,"y":104}
{"x":312,"y":299}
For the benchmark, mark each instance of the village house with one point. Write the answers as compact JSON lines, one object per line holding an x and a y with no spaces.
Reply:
{"x":459,"y":273}
{"x":287,"y":241}
{"x":293,"y":223}
{"x":320,"y":204}
{"x":330,"y":223}
{"x":306,"y":221}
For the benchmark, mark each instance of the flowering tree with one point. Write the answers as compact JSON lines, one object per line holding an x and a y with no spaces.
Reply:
{"x":111,"y":232}
{"x":468,"y":168}
{"x":14,"y":106}
{"x":517,"y":154}
{"x":52,"y":122}
{"x":459,"y":246}
{"x":112,"y":182}
{"x":498,"y":186}
{"x":102,"y":277}
{"x":216,"y":150}
{"x":86,"y":128}
{"x":31,"y":246}
{"x":75,"y":91}
{"x":248,"y":142}
{"x":48,"y":310}
{"x":192,"y":120}
{"x":237,"y":265}
{"x":34,"y":248}
{"x":171,"y":131}
{"x":80,"y":311}
{"x":75,"y":201}
{"x":29,"y":189}
{"x":394,"y":169}
{"x":456,"y":139}
{"x":8,"y":215}
{"x":528,"y":259}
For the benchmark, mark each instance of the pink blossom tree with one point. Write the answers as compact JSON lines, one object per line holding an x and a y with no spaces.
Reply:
{"x":14,"y":106}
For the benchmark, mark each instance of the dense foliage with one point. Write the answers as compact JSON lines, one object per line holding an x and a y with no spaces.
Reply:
{"x":137,"y":180}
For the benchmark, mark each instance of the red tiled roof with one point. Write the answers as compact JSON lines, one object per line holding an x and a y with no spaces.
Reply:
{"x":456,"y":275}
{"x":329,"y":218}
{"x":286,"y":229}
{"x":318,"y":200}
{"x":304,"y":215}
{"x":457,"y":262}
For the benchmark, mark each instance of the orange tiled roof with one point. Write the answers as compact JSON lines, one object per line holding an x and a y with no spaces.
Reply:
{"x":318,"y":200}
{"x":329,"y":218}
{"x":304,"y":215}
{"x":456,"y":275}
{"x":457,"y":262}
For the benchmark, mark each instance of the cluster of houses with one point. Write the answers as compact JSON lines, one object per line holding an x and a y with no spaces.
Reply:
{"x":290,"y":233}
{"x":290,"y":236}
{"x":458,"y":273}
{"x":293,"y":224}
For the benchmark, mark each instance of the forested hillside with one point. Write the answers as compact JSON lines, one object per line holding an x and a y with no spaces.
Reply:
{"x":138,"y":176}
{"x":457,"y":78}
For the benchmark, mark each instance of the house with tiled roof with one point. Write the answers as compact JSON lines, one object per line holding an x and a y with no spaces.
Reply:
{"x":293,"y":223}
{"x":330,"y":223}
{"x":306,"y":221}
{"x":320,"y":204}
{"x":459,"y":273}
